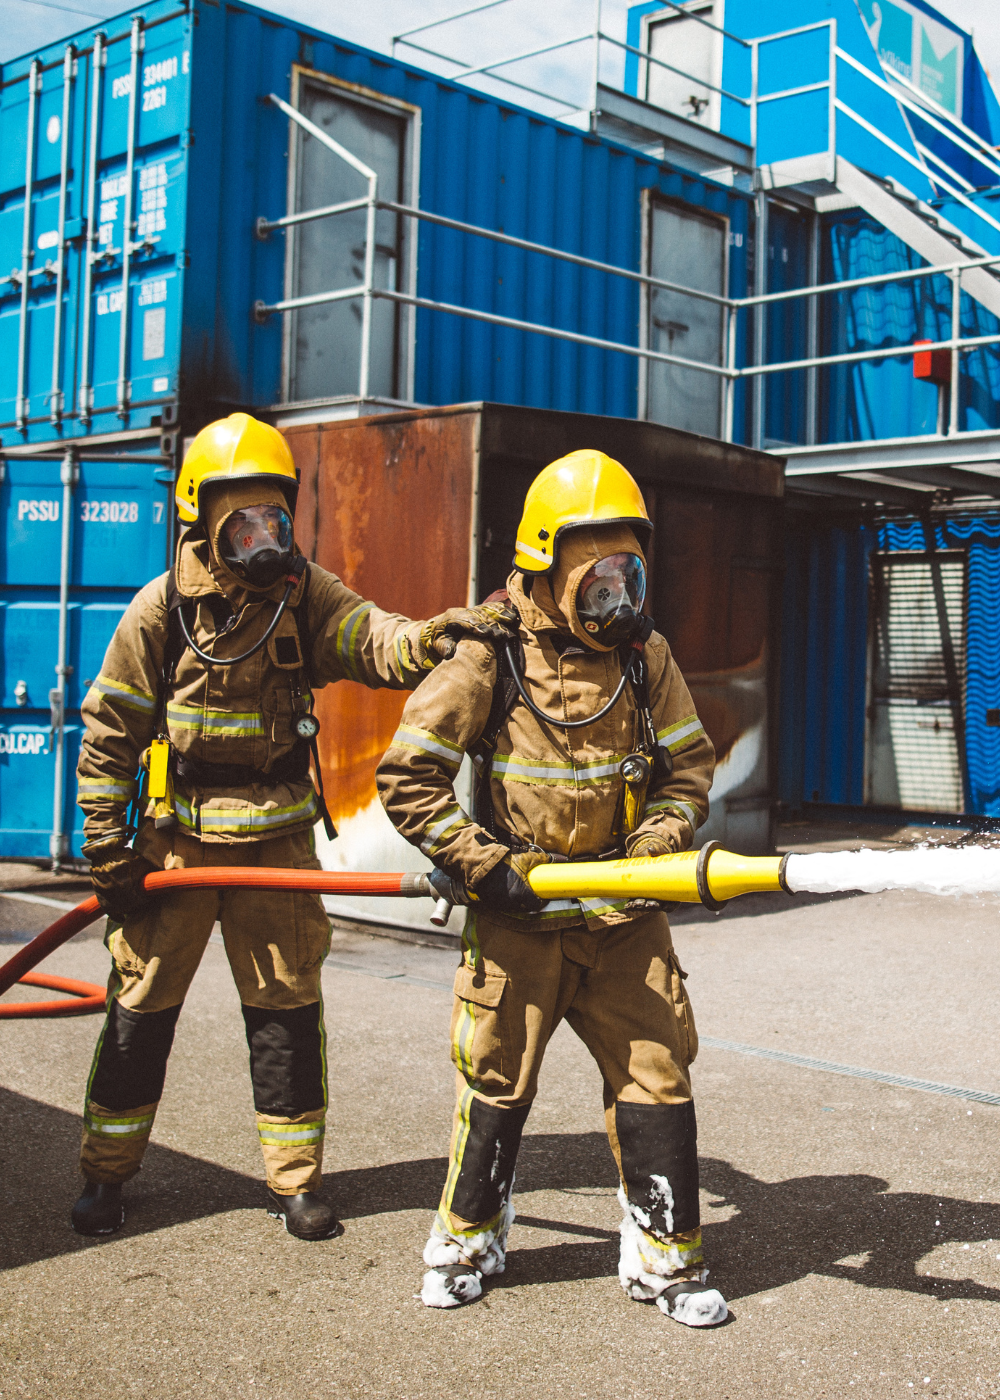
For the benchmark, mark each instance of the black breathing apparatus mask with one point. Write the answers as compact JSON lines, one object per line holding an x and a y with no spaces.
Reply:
{"x":256,"y":544}
{"x":610,"y":597}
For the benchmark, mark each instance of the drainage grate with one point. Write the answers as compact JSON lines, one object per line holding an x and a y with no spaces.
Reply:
{"x":900,"y":1081}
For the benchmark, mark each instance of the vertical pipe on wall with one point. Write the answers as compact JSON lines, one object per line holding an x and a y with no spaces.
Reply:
{"x":956,"y":327}
{"x":56,"y":396}
{"x":760,"y":315}
{"x":729,"y":383}
{"x":124,"y":324}
{"x":58,"y":844}
{"x":34,"y":86}
{"x":85,"y":396}
{"x":364,"y":378}
{"x":645,"y":302}
{"x":812,"y":337}
{"x":596,"y":72}
{"x":831,"y":117}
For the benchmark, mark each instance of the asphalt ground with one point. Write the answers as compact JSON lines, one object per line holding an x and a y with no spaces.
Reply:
{"x":853,"y":1225}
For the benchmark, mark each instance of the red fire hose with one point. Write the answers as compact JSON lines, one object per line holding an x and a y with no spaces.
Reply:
{"x":89,"y":997}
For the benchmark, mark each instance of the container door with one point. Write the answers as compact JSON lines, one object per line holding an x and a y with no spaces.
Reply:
{"x":324,"y":347}
{"x":915,"y":748}
{"x":118,"y":541}
{"x":689,"y":45}
{"x":713,"y":594}
{"x":90,"y":314}
{"x":688,"y":248}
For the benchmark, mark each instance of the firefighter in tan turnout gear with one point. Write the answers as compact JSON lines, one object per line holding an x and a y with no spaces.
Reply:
{"x":586,"y":743}
{"x":206,"y":694}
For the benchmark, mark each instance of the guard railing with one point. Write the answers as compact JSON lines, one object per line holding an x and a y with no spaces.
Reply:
{"x":729,"y":372}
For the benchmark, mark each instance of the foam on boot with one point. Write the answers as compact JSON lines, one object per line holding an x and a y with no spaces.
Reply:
{"x":485,"y":1251}
{"x":450,"y":1287}
{"x":645,"y":1267}
{"x":706,"y":1308}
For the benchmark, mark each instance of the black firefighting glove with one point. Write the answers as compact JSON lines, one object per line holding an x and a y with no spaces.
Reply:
{"x":505,"y":888}
{"x":116,"y":874}
{"x":445,"y":887}
{"x":490,"y":622}
{"x":647,"y":844}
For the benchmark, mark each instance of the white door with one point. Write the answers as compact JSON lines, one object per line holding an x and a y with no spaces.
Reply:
{"x":916,"y":682}
{"x":687,"y":45}
{"x":687,"y":248}
{"x":323,"y":348}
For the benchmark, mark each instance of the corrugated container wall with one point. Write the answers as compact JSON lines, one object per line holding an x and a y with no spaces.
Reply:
{"x":197,"y":155}
{"x":824,"y":661}
{"x":826,"y":671}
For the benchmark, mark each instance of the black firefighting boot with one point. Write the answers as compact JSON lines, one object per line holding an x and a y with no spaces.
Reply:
{"x":99,"y":1211}
{"x":305,"y":1216}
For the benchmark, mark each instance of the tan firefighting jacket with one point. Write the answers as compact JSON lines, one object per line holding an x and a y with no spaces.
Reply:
{"x":559,"y":789}
{"x":235,"y":714}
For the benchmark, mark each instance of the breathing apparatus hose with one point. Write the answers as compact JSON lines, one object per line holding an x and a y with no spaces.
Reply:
{"x":246,"y":655}
{"x":567,"y":723}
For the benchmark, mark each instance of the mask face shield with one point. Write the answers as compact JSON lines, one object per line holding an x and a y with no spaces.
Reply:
{"x":256,"y":544}
{"x":610,"y":597}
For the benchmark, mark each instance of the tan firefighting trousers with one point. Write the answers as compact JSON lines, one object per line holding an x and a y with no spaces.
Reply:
{"x":621,"y":990}
{"x":275,"y":942}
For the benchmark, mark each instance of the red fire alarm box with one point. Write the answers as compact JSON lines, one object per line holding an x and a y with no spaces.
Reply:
{"x":934,"y":365}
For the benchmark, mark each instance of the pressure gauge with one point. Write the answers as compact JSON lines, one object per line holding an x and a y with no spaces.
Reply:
{"x":307,"y":727}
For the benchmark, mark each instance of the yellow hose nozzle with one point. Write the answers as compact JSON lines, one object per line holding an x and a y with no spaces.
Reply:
{"x":709,"y":876}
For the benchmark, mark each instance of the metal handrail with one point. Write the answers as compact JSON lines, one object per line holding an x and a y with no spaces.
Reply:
{"x":447,"y":19}
{"x":263,"y":226}
{"x":727,"y":373}
{"x":990,"y":161}
{"x":659,"y":62}
{"x":891,"y":74}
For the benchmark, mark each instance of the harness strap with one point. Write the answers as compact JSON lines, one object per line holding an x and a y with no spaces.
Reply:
{"x":291,"y":767}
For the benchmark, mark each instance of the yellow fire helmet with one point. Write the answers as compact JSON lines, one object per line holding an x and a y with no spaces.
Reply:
{"x":237,"y":447}
{"x":583,"y":488}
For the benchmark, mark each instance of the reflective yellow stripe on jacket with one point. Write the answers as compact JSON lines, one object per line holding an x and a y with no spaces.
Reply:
{"x":127,"y":695}
{"x":677,"y":736}
{"x":423,"y":741}
{"x":348,"y":637}
{"x":452,"y":820}
{"x":512,"y":768}
{"x":245,"y":819}
{"x":215,"y":723}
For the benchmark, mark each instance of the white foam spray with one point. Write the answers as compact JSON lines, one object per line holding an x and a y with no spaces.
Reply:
{"x":939,"y":870}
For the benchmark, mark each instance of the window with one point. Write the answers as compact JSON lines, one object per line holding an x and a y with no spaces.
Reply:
{"x":690,"y":46}
{"x":689,"y":248}
{"x":323,"y":343}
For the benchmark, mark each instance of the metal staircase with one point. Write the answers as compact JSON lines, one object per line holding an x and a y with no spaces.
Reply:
{"x":834,"y":183}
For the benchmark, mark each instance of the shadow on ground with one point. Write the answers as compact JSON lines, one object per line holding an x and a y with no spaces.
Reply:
{"x":752,"y":905}
{"x":779,"y":1232}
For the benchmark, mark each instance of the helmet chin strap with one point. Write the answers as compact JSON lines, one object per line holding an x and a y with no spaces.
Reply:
{"x":297,"y":570}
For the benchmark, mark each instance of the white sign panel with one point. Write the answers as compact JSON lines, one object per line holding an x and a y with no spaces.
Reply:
{"x":921,"y":49}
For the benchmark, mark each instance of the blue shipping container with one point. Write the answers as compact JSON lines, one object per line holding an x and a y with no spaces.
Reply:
{"x":136,"y":162}
{"x":117,"y":538}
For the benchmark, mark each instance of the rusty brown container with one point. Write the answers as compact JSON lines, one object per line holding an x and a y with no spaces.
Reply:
{"x":418,"y":512}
